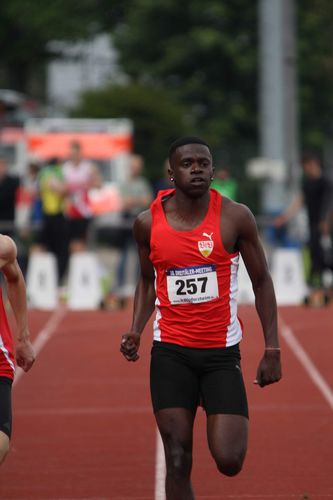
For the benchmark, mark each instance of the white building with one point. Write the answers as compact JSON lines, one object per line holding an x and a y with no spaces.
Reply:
{"x":81,"y":66}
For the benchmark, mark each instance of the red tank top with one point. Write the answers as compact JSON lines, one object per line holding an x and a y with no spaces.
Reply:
{"x":7,"y":364}
{"x":196,"y":280}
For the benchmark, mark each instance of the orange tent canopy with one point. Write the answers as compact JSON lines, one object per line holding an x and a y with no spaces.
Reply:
{"x":97,"y":146}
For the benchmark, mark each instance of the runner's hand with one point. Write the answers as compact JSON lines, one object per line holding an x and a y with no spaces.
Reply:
{"x":269,"y":369}
{"x":25,"y":354}
{"x":130,"y":343}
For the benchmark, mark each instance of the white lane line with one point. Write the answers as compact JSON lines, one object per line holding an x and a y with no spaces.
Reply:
{"x":273,"y":496}
{"x":44,"y":335}
{"x":306,"y":362}
{"x":160,"y":470}
{"x":237,"y":496}
{"x":314,"y":375}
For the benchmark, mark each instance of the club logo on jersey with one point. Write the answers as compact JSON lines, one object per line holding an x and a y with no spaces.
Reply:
{"x":206,"y":246}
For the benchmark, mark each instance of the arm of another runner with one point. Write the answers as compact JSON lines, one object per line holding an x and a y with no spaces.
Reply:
{"x":16,"y":290}
{"x":144,"y":299}
{"x":269,"y":369}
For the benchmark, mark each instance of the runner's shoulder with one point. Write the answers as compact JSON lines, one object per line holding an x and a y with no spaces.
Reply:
{"x":142,"y":227}
{"x":236,"y":210}
{"x":143,"y":219}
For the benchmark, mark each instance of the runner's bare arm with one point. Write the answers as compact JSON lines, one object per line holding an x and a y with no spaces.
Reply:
{"x":16,"y":290}
{"x":144,"y":299}
{"x":250,"y":247}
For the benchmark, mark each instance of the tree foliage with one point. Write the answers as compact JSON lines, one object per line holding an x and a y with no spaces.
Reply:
{"x":28,"y":25}
{"x":204,"y":52}
{"x":158,"y":119}
{"x":315,"y":56}
{"x":201,"y":55}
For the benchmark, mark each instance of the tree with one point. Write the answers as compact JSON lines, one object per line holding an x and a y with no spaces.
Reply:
{"x":28,"y":26}
{"x":158,"y":119}
{"x":200,"y":54}
{"x":315,"y":40}
{"x":204,"y":52}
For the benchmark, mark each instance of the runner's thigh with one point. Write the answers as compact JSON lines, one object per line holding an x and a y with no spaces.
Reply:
{"x":6,"y":406}
{"x":173,"y":383}
{"x":222,"y":388}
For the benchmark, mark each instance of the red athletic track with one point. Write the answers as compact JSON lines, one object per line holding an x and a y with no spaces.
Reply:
{"x":83,"y":426}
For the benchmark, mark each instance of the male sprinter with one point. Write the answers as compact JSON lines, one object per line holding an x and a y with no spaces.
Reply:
{"x":24,"y":352}
{"x":189,"y":245}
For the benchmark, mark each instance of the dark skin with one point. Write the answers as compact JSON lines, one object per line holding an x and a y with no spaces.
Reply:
{"x":191,"y":169}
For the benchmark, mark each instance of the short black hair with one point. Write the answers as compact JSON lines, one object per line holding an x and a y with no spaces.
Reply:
{"x":183,"y":141}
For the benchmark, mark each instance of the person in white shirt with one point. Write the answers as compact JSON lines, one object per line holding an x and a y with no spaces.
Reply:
{"x":80,"y":176}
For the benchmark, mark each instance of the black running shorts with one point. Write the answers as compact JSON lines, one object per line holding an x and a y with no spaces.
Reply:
{"x":6,"y":405}
{"x":78,"y":229}
{"x":184,"y":377}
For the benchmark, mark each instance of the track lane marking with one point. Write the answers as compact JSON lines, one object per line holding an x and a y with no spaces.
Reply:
{"x":250,"y":496}
{"x":44,"y":335}
{"x":314,"y":375}
{"x":310,"y":368}
{"x":160,"y":469}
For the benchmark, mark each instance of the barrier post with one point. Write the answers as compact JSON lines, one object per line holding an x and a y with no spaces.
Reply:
{"x":42,"y":287}
{"x":84,"y":287}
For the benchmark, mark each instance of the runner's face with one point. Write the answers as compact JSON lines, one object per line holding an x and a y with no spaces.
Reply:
{"x":192,"y":169}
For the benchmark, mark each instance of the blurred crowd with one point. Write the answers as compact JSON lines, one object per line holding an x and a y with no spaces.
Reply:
{"x":56,"y":195}
{"x":61,"y":220}
{"x":316,"y":197}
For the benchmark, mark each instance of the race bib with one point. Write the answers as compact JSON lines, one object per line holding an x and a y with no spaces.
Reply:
{"x":192,"y":284}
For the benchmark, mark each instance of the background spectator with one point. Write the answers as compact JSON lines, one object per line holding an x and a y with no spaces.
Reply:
{"x":80,"y":176}
{"x":164,"y":182}
{"x":54,"y":230}
{"x":31,"y":186}
{"x":9,"y":185}
{"x":136,"y":196}
{"x":224,"y":183}
{"x":316,"y":197}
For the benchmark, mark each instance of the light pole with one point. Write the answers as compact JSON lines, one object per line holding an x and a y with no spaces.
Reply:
{"x":278,"y":107}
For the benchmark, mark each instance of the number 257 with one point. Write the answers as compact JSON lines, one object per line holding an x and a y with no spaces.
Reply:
{"x":191,"y":285}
